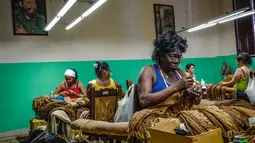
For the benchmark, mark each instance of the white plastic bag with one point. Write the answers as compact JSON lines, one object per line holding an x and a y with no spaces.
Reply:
{"x":126,"y":106}
{"x":250,"y":91}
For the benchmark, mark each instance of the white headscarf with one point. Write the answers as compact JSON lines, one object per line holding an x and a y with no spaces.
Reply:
{"x":70,"y":72}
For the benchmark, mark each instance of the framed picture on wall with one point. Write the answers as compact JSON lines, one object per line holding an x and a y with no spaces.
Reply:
{"x":164,"y":18}
{"x":29,"y":17}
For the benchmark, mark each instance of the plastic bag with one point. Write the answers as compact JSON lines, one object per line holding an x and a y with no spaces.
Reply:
{"x":126,"y":106}
{"x":250,"y":91}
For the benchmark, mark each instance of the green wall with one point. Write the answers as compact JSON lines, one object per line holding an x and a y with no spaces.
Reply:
{"x":21,"y":82}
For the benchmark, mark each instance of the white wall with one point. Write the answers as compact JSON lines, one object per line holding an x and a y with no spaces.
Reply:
{"x":226,"y":32}
{"x":120,"y":29}
{"x":213,"y":41}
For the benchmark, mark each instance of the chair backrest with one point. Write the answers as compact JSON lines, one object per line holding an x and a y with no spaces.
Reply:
{"x":129,"y":83}
{"x":137,"y":106}
{"x":103,"y":103}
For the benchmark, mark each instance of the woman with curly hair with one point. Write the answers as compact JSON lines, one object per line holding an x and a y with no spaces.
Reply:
{"x":159,"y":81}
{"x":163,"y":88}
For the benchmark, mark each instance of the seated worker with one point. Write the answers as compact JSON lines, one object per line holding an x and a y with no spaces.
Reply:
{"x":240,"y":79}
{"x":190,"y":69}
{"x":71,"y":88}
{"x":103,"y":80}
{"x":161,"y":82}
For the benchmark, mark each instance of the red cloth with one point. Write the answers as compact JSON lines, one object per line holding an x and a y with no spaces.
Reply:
{"x":76,"y":90}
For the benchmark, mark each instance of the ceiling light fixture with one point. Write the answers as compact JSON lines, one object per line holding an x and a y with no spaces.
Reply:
{"x":237,"y":16}
{"x":233,"y":13}
{"x":201,"y":27}
{"x":86,"y":13}
{"x":60,"y":14}
{"x":221,"y":19}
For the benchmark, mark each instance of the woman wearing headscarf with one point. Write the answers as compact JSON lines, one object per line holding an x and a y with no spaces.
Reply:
{"x":71,"y":89}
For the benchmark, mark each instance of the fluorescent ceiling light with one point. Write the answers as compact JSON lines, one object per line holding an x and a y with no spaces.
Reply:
{"x":67,"y":6}
{"x":202,"y":26}
{"x":86,"y":13}
{"x":227,"y":16}
{"x":74,"y":23}
{"x":216,"y":21}
{"x":195,"y":27}
{"x":52,"y":23}
{"x":238,"y":16}
{"x":223,"y":20}
{"x":60,"y":14}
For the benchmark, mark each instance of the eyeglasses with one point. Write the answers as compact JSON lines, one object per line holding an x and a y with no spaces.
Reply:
{"x":175,"y":57}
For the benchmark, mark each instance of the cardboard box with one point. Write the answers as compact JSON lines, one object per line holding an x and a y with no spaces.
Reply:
{"x":163,"y":133}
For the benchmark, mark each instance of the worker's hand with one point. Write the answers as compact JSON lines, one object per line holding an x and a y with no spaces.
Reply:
{"x":197,"y":93}
{"x":184,"y":83}
{"x":64,"y":93}
{"x":197,"y":89}
{"x":72,"y":93}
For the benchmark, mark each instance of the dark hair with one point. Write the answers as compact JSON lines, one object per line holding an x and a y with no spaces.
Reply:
{"x":100,"y":66}
{"x":76,"y":73}
{"x":245,"y":57}
{"x":188,"y":66}
{"x":168,"y":42}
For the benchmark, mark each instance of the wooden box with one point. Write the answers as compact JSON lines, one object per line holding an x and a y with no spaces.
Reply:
{"x":162,"y":134}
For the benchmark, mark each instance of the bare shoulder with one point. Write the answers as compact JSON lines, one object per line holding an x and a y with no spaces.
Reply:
{"x":90,"y":83}
{"x":147,"y":68}
{"x":62,"y":83}
{"x":147,"y":75}
{"x":238,"y":71}
{"x":80,"y":83}
{"x":147,"y":71}
{"x":187,"y":74}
